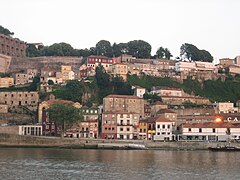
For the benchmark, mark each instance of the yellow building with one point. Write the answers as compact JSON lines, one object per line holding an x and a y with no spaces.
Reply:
{"x":120,"y":70}
{"x":66,"y":69}
{"x":6,"y":82}
{"x":143,"y":129}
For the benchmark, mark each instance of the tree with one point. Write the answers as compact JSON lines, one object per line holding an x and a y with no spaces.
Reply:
{"x":152,"y":97}
{"x":32,"y":51}
{"x":119,"y":49}
{"x":5,"y":31}
{"x":139,"y":49}
{"x":163,"y":53}
{"x":192,"y":53}
{"x":65,"y":115}
{"x":104,"y":48}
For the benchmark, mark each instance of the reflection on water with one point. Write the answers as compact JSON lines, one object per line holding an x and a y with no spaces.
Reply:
{"x":117,"y":164}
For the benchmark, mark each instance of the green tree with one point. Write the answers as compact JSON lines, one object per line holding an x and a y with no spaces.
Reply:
{"x":32,"y":51}
{"x":152,"y":97}
{"x":5,"y":31}
{"x":65,"y":115}
{"x":163,"y":53}
{"x":104,"y":48}
{"x":192,"y":53}
{"x":139,"y":49}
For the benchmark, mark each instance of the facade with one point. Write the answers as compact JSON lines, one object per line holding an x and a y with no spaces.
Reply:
{"x":4,"y":63}
{"x":139,"y":91}
{"x":20,"y":98}
{"x":127,"y":125}
{"x":94,"y":61}
{"x":210,"y":131}
{"x":21,"y":78}
{"x":31,"y":73}
{"x":194,"y":66}
{"x":3,"y":108}
{"x":234,"y":69}
{"x":155,"y":107}
{"x":174,"y":100}
{"x":168,"y":114}
{"x":143,"y":126}
{"x":224,"y":107}
{"x":120,"y":70}
{"x":6,"y":82}
{"x":171,"y":92}
{"x":109,"y":125}
{"x":33,"y":130}
{"x":226,"y":62}
{"x":164,"y":129}
{"x":12,"y":46}
{"x":123,"y":103}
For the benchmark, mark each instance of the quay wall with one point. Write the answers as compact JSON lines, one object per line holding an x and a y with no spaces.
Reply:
{"x":37,"y":141}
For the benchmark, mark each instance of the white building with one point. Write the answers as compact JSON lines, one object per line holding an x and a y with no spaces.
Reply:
{"x":209,"y":131}
{"x":33,"y":130}
{"x":139,"y":91}
{"x":224,"y":107}
{"x":164,"y":128}
{"x":127,"y":124}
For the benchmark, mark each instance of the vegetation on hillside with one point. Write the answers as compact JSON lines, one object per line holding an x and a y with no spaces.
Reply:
{"x":5,"y":31}
{"x":65,"y":115}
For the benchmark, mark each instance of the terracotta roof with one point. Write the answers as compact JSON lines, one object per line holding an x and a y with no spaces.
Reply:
{"x":211,"y":125}
{"x":122,"y":96}
{"x":119,"y":112}
{"x":155,"y":119}
{"x":162,"y":111}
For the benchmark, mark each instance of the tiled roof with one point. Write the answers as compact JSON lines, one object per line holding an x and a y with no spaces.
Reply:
{"x":211,"y":125}
{"x":162,"y":111}
{"x":122,"y":96}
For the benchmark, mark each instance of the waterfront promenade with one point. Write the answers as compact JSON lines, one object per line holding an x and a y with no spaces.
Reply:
{"x":56,"y":142}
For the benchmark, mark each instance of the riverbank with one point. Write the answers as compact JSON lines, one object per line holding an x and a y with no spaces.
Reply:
{"x":7,"y":140}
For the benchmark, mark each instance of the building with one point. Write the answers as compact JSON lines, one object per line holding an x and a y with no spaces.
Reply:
{"x":67,"y":73}
{"x":171,"y":92}
{"x":26,"y":130}
{"x":31,"y":73}
{"x":109,"y":125}
{"x":164,"y":129}
{"x":21,"y":79}
{"x":127,"y":125}
{"x":123,"y":103}
{"x":226,"y":62}
{"x":209,"y":131}
{"x":94,"y":61}
{"x":5,"y":62}
{"x":12,"y":46}
{"x":13,"y":99}
{"x":139,"y":91}
{"x":156,"y":106}
{"x":3,"y":108}
{"x":143,"y":126}
{"x":234,"y":69}
{"x":6,"y":82}
{"x":120,"y":70}
{"x":224,"y":107}
{"x":169,"y":114}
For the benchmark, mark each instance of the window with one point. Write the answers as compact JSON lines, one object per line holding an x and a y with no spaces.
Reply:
{"x":121,"y":129}
{"x":140,"y":130}
{"x":128,"y":129}
{"x":163,"y":126}
{"x":168,"y":126}
{"x":158,"y":133}
{"x":113,"y":128}
{"x":158,"y":126}
{"x":200,"y":130}
{"x":213,"y":130}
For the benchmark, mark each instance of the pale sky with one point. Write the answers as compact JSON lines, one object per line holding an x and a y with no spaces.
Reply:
{"x":213,"y":25}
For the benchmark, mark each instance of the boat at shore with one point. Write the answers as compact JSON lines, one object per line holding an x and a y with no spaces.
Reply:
{"x":224,"y":148}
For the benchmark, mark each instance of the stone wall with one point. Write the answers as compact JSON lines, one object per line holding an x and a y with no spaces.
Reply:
{"x":15,"y":118}
{"x":18,"y":64}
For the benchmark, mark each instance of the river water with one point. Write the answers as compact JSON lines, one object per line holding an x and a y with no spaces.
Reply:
{"x":27,"y":163}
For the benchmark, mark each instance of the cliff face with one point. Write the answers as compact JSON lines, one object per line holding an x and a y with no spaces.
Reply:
{"x":18,"y":64}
